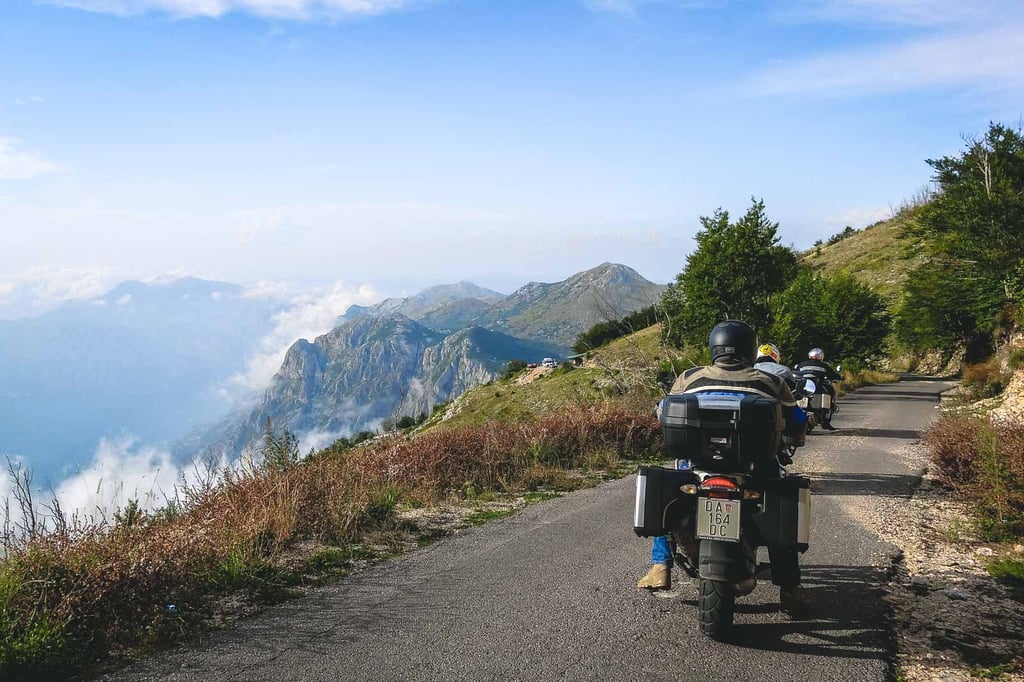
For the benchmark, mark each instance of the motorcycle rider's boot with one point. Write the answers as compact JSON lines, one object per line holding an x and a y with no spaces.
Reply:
{"x":746,"y":585}
{"x":828,"y":426}
{"x":658,"y":578}
{"x":791,"y":600}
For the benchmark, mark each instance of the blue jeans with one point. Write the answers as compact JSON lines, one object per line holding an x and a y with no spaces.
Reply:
{"x":661,"y":551}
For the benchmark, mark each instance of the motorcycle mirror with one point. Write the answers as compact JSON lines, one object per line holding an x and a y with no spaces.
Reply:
{"x":839,"y":368}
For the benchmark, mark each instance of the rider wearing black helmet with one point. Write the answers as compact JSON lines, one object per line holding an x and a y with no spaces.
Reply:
{"x":733,"y":346}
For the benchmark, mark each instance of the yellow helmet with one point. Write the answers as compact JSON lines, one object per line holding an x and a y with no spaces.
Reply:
{"x":769,"y":350}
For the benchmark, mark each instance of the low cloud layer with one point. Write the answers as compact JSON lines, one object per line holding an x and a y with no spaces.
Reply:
{"x":309,"y":315}
{"x":35,"y":290}
{"x":122,"y":469}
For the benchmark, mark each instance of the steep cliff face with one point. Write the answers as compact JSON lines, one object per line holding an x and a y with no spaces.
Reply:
{"x":369,"y":369}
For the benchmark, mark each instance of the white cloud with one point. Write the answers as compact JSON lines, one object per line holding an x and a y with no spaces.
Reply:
{"x":860,"y":217}
{"x":20,"y":164}
{"x":121,"y":470}
{"x":318,"y":440}
{"x":906,"y":12}
{"x":986,"y":59}
{"x":37,"y":289}
{"x":270,"y":9}
{"x":309,"y":316}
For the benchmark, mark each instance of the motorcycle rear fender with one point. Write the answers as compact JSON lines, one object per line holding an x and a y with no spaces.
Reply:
{"x":720,"y":560}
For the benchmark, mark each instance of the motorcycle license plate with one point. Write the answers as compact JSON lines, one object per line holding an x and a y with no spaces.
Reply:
{"x":718,"y":519}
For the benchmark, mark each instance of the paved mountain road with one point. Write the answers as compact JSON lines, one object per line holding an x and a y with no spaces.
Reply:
{"x":549,"y":593}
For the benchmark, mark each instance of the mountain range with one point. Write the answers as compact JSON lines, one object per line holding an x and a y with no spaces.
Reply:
{"x":404,"y":356}
{"x":153,"y":360}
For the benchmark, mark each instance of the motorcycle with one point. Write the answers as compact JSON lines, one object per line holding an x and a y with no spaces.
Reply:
{"x":804,"y":389}
{"x":816,"y":400}
{"x":727,"y":497}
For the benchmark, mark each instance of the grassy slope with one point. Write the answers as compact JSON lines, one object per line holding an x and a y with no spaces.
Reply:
{"x":563,"y":388}
{"x":879,"y":255}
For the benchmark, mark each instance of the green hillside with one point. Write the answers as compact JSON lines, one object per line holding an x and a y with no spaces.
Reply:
{"x":621,"y":372}
{"x":880,"y":255}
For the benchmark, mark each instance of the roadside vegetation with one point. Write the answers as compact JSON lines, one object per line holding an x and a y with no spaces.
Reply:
{"x":74,"y":591}
{"x":968,"y":296}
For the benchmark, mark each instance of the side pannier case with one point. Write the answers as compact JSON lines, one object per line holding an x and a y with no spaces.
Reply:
{"x":821,"y":401}
{"x":659,"y":502}
{"x":722,"y":432}
{"x":785,"y":519}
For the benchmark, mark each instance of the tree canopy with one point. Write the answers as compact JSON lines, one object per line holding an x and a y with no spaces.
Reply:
{"x":839,"y":314}
{"x":734,"y":273}
{"x":977,"y":216}
{"x":975,"y":225}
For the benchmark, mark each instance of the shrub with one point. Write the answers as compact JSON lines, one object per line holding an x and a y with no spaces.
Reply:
{"x":952,"y":444}
{"x":514,"y":367}
{"x":985,"y":462}
{"x":606,"y":332}
{"x":983,"y":380}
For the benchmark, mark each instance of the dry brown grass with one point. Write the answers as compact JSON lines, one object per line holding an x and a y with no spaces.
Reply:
{"x":984,"y":462}
{"x":83,"y":590}
{"x":864,"y":377}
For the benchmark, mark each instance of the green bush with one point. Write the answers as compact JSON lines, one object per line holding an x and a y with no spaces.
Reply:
{"x":606,"y":332}
{"x":838,"y":313}
{"x":514,"y":367}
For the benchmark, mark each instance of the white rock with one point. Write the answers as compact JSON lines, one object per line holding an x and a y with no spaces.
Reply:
{"x":984,"y":551}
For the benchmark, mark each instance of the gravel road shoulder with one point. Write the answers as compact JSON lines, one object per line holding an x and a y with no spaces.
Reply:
{"x":951,"y":620}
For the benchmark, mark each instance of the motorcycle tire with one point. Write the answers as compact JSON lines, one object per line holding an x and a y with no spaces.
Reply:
{"x":715,"y":606}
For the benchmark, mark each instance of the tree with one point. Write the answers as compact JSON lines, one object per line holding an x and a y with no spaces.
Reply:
{"x":947,"y":302}
{"x":513,"y":368}
{"x":605,"y":332}
{"x":735,"y":272}
{"x":839,"y":314}
{"x":977,"y":216}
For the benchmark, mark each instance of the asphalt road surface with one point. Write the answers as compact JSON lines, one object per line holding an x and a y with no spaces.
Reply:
{"x":550,"y":593}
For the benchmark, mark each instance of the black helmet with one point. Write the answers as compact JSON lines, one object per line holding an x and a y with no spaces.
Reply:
{"x":734,"y":338}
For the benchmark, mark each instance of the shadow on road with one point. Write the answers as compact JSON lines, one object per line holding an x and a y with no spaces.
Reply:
{"x":909,"y":434}
{"x":845,"y":617}
{"x":881,"y":392}
{"x":922,"y":377}
{"x":889,"y":485}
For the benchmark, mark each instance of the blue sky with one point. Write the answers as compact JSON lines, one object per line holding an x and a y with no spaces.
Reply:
{"x":404,"y":143}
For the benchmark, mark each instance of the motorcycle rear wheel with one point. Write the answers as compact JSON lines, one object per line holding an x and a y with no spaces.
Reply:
{"x":715,"y":607}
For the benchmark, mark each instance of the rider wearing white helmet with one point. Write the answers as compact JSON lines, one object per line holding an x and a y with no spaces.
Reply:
{"x":824,"y":376}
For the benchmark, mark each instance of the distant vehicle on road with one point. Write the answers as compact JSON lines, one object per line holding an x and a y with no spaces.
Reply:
{"x":549,"y":362}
